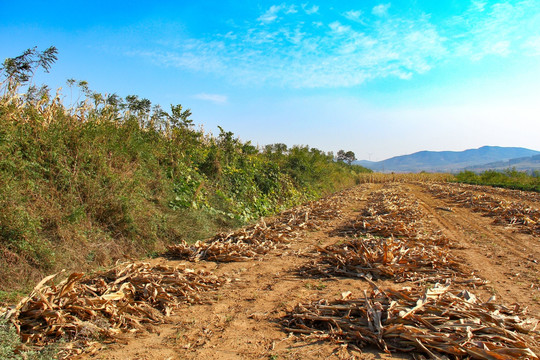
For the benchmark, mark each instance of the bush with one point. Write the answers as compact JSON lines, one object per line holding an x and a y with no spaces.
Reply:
{"x":509,"y":178}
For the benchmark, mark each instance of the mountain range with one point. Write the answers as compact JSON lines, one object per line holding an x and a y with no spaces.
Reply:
{"x":484,"y":158}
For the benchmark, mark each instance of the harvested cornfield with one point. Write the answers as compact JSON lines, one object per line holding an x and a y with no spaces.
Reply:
{"x":438,"y":323}
{"x":394,"y":243}
{"x":388,"y":213}
{"x":357,"y":243}
{"x":391,"y":239}
{"x":512,"y":213}
{"x":517,"y":195}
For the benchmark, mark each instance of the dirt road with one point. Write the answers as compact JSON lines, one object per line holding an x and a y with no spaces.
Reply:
{"x":244,"y":318}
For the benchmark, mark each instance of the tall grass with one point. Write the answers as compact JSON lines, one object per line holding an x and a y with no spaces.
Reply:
{"x":108,"y":178}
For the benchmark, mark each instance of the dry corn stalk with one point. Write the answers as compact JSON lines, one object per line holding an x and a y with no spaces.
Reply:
{"x":83,"y":307}
{"x":437,"y":322}
{"x":509,"y":213}
{"x":397,"y":259}
{"x":389,"y":213}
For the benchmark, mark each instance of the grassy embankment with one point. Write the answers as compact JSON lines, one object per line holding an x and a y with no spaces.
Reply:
{"x":510,"y":179}
{"x":111,"y":178}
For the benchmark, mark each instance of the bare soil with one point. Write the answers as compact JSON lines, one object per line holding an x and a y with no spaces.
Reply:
{"x":243,"y":319}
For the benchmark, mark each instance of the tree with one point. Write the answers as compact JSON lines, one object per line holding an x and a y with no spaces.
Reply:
{"x":180,"y":117}
{"x":348,"y":156}
{"x":21,"y":69}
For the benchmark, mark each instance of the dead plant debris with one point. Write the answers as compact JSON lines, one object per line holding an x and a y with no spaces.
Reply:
{"x":405,"y":249}
{"x":437,"y":322}
{"x":505,"y":212}
{"x":388,"y":213}
{"x":397,"y":259}
{"x":84,"y":308}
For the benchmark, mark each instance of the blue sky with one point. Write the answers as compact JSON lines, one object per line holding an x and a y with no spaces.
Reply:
{"x":378,"y":78}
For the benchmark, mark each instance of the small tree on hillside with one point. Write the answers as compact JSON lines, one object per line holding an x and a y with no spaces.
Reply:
{"x":347,"y":157}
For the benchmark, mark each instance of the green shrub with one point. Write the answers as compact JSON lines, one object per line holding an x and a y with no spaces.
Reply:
{"x":12,"y":348}
{"x":509,"y":178}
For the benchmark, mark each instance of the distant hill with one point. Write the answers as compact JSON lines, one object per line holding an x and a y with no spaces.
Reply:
{"x":530,"y":163}
{"x":449,"y":161}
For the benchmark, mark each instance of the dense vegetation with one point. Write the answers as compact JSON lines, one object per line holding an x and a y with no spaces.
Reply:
{"x":105,"y":178}
{"x":510,"y":178}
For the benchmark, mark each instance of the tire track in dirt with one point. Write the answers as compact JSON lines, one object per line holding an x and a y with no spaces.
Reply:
{"x":494,"y":252}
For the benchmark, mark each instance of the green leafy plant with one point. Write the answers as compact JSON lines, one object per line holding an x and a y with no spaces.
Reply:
{"x":12,"y":348}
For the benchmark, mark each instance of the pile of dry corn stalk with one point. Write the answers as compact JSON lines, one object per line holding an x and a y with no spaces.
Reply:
{"x":388,"y":213}
{"x":84,"y":307}
{"x":439,"y":323}
{"x":509,"y":213}
{"x":240,"y":245}
{"x":397,"y":259}
{"x":262,"y":237}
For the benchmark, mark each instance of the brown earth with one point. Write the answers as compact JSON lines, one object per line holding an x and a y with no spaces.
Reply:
{"x":242,"y":319}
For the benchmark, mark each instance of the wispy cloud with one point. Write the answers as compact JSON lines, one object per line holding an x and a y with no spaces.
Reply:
{"x":291,"y":10}
{"x":215,"y":98}
{"x":270,"y":14}
{"x":354,"y":15}
{"x":273,"y":12}
{"x":305,"y":53}
{"x":485,"y":31}
{"x":380,"y":10}
{"x":532,"y":46}
{"x":313,"y":9}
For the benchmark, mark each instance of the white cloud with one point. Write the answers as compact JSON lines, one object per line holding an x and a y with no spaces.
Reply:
{"x":338,"y":28}
{"x":479,"y":5}
{"x":271,"y":14}
{"x":380,"y":10}
{"x":291,"y":10}
{"x":215,"y":98}
{"x":532,"y":46}
{"x":496,"y":30}
{"x":310,"y":10}
{"x":354,"y":15}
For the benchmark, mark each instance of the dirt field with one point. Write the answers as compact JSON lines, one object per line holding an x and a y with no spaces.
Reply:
{"x":249,"y":316}
{"x":244,"y":319}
